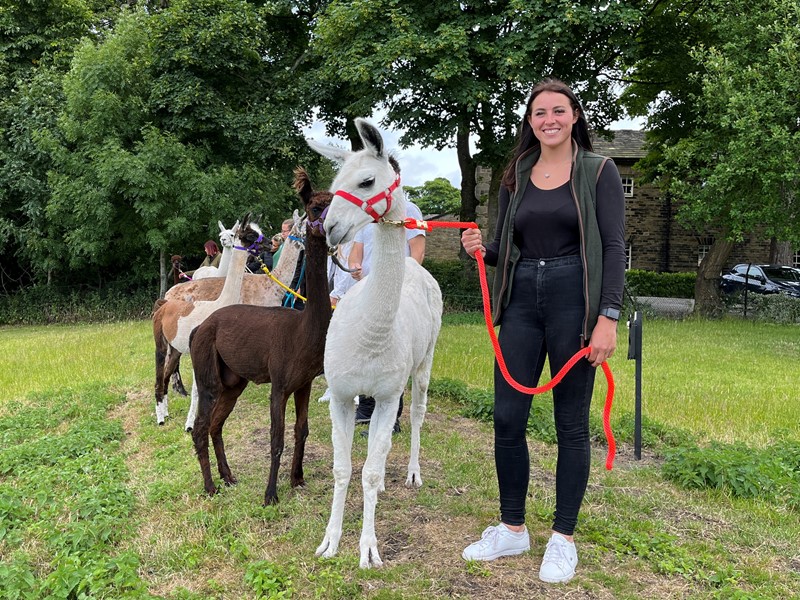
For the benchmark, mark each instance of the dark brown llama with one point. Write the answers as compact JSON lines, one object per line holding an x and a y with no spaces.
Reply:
{"x":229,"y":350}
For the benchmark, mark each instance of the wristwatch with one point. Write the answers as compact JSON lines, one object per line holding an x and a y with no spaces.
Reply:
{"x":610,"y":313}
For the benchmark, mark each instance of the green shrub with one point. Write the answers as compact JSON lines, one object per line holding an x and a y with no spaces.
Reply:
{"x":461,"y":290}
{"x":775,"y":308}
{"x":43,"y":304}
{"x":770,"y":474}
{"x":662,"y":285}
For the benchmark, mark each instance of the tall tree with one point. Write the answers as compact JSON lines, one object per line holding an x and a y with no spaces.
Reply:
{"x":36,"y":44}
{"x":176,"y":120}
{"x":447,"y":71}
{"x":735,"y":166}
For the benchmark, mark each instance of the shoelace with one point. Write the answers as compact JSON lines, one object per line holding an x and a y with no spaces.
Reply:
{"x":556,"y":553}
{"x":488,"y":537}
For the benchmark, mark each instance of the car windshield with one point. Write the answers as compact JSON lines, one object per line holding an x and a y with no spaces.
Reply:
{"x":782,"y":273}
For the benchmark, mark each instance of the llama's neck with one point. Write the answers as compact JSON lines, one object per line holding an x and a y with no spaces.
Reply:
{"x":225,"y":261}
{"x":232,"y":290}
{"x":381,"y":295}
{"x":287,"y":262}
{"x":318,"y":304}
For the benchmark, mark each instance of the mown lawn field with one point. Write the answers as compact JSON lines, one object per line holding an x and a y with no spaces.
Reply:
{"x":97,"y":501}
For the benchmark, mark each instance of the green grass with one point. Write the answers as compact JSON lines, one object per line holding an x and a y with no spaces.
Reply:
{"x":727,"y":380}
{"x":96,"y":501}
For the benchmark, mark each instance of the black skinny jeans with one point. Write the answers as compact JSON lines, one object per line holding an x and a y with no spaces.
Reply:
{"x":544,"y":317}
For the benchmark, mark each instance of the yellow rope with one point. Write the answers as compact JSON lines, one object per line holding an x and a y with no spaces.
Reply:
{"x":279,"y":282}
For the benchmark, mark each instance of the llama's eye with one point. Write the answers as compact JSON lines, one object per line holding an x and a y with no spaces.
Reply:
{"x":369,"y":182}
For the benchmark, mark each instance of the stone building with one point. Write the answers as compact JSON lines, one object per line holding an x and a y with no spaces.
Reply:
{"x":655,"y":239}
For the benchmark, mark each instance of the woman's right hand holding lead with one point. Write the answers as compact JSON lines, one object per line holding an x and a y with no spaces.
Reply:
{"x":472,"y":242}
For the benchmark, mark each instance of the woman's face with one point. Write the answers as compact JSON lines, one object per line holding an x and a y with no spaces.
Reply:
{"x":552,"y":118}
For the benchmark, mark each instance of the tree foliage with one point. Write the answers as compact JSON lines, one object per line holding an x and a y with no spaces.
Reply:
{"x":448,"y":71}
{"x":176,"y":119}
{"x":435,"y":197}
{"x":726,"y":130}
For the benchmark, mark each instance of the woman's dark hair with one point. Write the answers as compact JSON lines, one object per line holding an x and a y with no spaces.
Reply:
{"x":527,"y":141}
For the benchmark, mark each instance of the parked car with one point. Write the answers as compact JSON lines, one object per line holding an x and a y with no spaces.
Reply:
{"x":762,"y":279}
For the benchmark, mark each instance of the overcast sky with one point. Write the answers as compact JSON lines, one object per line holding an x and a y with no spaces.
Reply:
{"x":420,"y":164}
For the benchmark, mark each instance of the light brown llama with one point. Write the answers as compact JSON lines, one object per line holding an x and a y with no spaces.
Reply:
{"x":174,"y":320}
{"x":229,"y":351}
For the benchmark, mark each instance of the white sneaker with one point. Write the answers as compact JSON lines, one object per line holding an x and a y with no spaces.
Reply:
{"x":497,"y":541}
{"x":560,"y":560}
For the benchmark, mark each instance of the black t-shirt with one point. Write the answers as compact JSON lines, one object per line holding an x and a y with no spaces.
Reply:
{"x":546,"y":226}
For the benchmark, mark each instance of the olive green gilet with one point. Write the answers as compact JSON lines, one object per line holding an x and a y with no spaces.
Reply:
{"x":585,"y":170}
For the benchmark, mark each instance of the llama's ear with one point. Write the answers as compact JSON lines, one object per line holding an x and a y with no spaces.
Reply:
{"x":221,"y":226}
{"x":338,"y":155}
{"x":302,"y":184}
{"x":370,"y":136}
{"x":297,"y":218}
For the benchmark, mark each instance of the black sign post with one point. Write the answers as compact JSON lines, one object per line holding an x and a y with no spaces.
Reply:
{"x":635,"y":353}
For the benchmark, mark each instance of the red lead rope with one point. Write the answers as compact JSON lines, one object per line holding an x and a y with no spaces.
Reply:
{"x":410,"y":223}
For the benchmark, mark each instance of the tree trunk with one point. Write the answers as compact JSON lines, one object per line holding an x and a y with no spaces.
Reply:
{"x":469,"y":201}
{"x":780,"y":253}
{"x":492,"y":203}
{"x":162,"y":272}
{"x":707,"y":295}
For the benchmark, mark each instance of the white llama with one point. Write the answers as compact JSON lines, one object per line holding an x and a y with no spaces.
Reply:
{"x":226,"y":240}
{"x":175,"y":319}
{"x":383,"y":331}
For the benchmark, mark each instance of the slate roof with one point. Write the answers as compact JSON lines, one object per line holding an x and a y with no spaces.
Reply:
{"x":627,"y":143}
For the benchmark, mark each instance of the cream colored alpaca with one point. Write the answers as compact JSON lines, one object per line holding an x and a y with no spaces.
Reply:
{"x":383,"y":331}
{"x":259,"y":290}
{"x":226,"y":237}
{"x":175,"y":319}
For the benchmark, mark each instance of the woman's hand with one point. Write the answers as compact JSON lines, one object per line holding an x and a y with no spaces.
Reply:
{"x":603,"y":341}
{"x":472,"y":242}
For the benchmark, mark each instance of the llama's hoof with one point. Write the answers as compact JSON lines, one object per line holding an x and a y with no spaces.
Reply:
{"x":414,"y":480}
{"x":230,"y":480}
{"x":271,"y":500}
{"x":188,"y":430}
{"x":327,"y":549}
{"x":370,"y":558}
{"x":211,"y":491}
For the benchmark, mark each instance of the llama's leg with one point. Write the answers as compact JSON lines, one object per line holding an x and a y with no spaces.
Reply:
{"x":172,"y":360}
{"x":277,"y":430}
{"x":192,"y":414}
{"x":419,"y":406}
{"x":160,"y":388}
{"x":219,"y":414}
{"x":301,"y":399}
{"x":343,"y":422}
{"x":373,"y":474}
{"x":200,"y":436}
{"x":177,"y":382}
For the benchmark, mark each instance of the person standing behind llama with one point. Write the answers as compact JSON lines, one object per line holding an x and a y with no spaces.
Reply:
{"x":361,"y":260}
{"x":213,"y":256}
{"x":560,"y":256}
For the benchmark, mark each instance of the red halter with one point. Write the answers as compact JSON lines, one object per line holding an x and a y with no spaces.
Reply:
{"x":367,"y":205}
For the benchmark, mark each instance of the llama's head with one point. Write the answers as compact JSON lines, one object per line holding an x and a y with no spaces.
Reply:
{"x":366,"y":189}
{"x":315,"y":203}
{"x":248,"y":236}
{"x":226,"y":236}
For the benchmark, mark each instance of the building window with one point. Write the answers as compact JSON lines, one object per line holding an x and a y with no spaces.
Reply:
{"x":628,"y":256}
{"x":627,"y":186}
{"x":796,"y":259}
{"x":703,"y":248}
